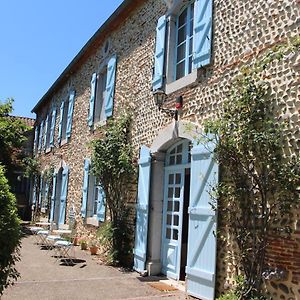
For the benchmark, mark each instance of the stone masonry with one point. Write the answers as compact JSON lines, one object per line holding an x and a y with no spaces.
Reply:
{"x":242,"y":30}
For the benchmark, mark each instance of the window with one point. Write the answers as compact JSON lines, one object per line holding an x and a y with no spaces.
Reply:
{"x":47,"y":133}
{"x":66,"y":119}
{"x":93,"y":198}
{"x":102,"y":93}
{"x":183,"y":44}
{"x":41,"y":135}
{"x":36,"y":139}
{"x":94,"y":195}
{"x":99,"y":114}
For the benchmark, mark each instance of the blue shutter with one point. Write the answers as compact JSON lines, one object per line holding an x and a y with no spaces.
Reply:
{"x":41,"y":190}
{"x":85,"y":187}
{"x":202,"y":242}
{"x":159,"y":59}
{"x":36,"y":130}
{"x":92,"y":100}
{"x":46,"y":189}
{"x":46,"y":132}
{"x":101,"y":205}
{"x":70,"y":114}
{"x":202,"y":41}
{"x":60,"y":121}
{"x":41,"y":136}
{"x":53,"y":197}
{"x":110,"y":86}
{"x":140,"y":248}
{"x":63,"y":195}
{"x":53,"y":121}
{"x":34,"y":190}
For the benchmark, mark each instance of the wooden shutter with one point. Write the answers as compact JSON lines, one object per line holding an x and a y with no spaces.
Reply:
{"x":159,"y":59}
{"x":53,"y":197}
{"x":110,"y":86}
{"x":202,"y":41}
{"x":101,"y":205}
{"x":41,"y":190}
{"x":46,"y":189}
{"x":141,"y":233}
{"x":70,"y":114}
{"x":60,"y":122}
{"x":36,"y":130}
{"x":202,"y":242}
{"x":41,"y":136}
{"x":92,"y":100}
{"x":46,"y":132}
{"x":34,"y":190}
{"x":52,"y":129}
{"x":85,"y":187}
{"x":63,"y":195}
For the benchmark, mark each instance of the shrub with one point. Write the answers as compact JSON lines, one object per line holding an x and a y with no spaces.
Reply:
{"x":10,"y":234}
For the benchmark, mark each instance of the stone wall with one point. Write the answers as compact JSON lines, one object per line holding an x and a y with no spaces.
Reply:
{"x":242,"y":29}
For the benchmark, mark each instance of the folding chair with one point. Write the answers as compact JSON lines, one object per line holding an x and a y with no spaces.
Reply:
{"x":63,"y":250}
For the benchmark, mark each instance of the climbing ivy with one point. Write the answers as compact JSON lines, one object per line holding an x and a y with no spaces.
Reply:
{"x":259,"y":182}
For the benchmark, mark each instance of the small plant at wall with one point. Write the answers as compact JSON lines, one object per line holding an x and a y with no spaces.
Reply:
{"x":113,"y":166}
{"x":259,"y":182}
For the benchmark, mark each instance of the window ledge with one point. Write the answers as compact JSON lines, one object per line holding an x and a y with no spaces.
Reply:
{"x":48,"y":150}
{"x":92,"y":221}
{"x":63,"y":142}
{"x":100,"y":123}
{"x":181,"y":83}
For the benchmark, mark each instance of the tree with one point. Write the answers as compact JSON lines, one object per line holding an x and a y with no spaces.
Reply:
{"x":10,"y":234}
{"x":259,"y":186}
{"x":113,"y":166}
{"x":11,"y":136}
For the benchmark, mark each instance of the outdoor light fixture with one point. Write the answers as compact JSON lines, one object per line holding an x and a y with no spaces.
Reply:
{"x":160,"y":97}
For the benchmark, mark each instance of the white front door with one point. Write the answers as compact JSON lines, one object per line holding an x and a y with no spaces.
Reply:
{"x":172,"y":221}
{"x":177,"y":161}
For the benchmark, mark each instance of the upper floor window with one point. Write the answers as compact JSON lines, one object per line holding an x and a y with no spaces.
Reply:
{"x":102,"y":93}
{"x":66,"y":118}
{"x":183,"y":44}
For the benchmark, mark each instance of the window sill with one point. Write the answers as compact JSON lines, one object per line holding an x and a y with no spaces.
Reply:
{"x":92,"y":221}
{"x":63,"y":142}
{"x":181,"y":83}
{"x":100,"y":123}
{"x":48,"y":150}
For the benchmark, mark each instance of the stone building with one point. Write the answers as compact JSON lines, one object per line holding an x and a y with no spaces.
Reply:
{"x":178,"y":49}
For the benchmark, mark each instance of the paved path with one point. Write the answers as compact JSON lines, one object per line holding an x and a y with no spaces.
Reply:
{"x":43,"y":278}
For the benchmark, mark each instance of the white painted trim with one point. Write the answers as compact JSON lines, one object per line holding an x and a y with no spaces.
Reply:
{"x":181,"y":83}
{"x":92,"y":221}
{"x":175,"y":130}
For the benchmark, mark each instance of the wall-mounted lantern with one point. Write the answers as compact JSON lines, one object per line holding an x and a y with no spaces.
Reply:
{"x":160,"y":97}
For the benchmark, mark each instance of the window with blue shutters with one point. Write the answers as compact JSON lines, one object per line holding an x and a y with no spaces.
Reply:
{"x":102,"y":93}
{"x":66,"y":118}
{"x":93,"y":197}
{"x":41,"y":135}
{"x":183,"y":44}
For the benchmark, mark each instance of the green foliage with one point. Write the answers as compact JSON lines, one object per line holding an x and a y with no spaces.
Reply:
{"x":11,"y":134}
{"x":259,"y":186}
{"x":10,"y":234}
{"x":113,"y":166}
{"x":115,"y":239}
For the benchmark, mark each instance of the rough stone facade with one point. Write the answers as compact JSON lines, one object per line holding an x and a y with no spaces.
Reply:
{"x":242,"y":30}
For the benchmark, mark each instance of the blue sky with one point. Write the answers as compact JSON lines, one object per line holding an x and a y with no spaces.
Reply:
{"x":38,"y":39}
